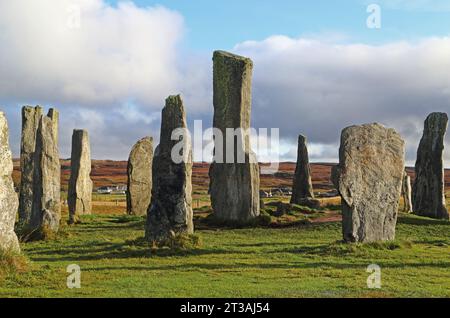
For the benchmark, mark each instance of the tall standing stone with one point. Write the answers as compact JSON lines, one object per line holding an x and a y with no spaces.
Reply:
{"x":406,"y":193}
{"x":139,"y":172}
{"x":302,"y":188}
{"x":170,"y":212}
{"x":8,"y":197}
{"x":46,"y":211}
{"x":40,"y":205}
{"x":369,"y":179}
{"x":234,"y":185}
{"x":80,"y":184}
{"x":428,"y":190}
{"x":31,"y":117}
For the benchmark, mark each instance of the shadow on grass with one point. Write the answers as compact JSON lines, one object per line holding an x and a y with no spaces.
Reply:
{"x":114,"y":251}
{"x":417,"y":220}
{"x":240,"y":267}
{"x":340,"y":248}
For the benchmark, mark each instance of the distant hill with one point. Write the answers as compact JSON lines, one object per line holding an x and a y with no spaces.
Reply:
{"x":109,"y":172}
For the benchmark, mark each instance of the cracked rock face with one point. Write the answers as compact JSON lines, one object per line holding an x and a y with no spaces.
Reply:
{"x":170,"y":212}
{"x":428,"y":190}
{"x":139,"y":172}
{"x":8,"y":197}
{"x":80,"y":183}
{"x":302,"y":188}
{"x":234,"y":187}
{"x":40,"y":206}
{"x":369,"y":179}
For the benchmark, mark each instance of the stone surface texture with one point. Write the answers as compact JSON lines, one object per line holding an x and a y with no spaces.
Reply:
{"x":428,"y":190}
{"x":79,"y":196}
{"x":234,"y":187}
{"x":139,"y":172}
{"x":9,"y":201}
{"x":369,"y":179}
{"x":170,"y":212}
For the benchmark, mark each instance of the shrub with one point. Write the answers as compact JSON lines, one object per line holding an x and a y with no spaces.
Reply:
{"x":12,"y":263}
{"x":264,"y":219}
{"x":27,"y":234}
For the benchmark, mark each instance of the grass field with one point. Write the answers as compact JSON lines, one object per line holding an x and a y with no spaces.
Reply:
{"x":293,"y":260}
{"x":297,"y":255}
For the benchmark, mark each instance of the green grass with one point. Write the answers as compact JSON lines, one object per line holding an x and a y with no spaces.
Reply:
{"x":298,"y":261}
{"x":96,"y":197}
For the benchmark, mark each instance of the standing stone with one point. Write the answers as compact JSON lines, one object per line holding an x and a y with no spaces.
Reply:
{"x":139,"y":171}
{"x":80,"y":184}
{"x":8,"y":197}
{"x":234,"y":185}
{"x":53,"y":114}
{"x":40,"y":206}
{"x":46,"y":211}
{"x":406,"y":193}
{"x":170,"y":212}
{"x":31,"y":117}
{"x":369,"y":179}
{"x":302,"y":188}
{"x":428,"y":190}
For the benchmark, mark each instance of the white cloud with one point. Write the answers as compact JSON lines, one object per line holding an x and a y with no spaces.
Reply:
{"x":317,"y":88}
{"x":107,"y":69}
{"x":114,"y":54}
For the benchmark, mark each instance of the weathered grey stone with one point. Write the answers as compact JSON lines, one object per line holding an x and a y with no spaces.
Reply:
{"x":139,"y":172}
{"x":170,"y":212}
{"x":8,"y":197}
{"x":302,"y":188}
{"x":31,"y":117}
{"x":369,"y":179}
{"x":406,"y":193}
{"x":282,"y":209}
{"x":234,"y":187}
{"x":80,"y":184}
{"x":40,"y":208}
{"x":428,"y":191}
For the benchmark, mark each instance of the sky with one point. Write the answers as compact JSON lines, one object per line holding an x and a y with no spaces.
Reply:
{"x":109,"y":65}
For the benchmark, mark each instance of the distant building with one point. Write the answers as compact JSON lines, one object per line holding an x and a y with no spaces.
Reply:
{"x":264,"y":194}
{"x":104,"y":190}
{"x":116,"y":189}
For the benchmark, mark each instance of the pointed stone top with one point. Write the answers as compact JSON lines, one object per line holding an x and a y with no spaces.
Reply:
{"x":302,"y":139}
{"x":173,"y":117}
{"x":231,"y":56}
{"x":438,"y":120}
{"x":174,"y":101}
{"x":145,"y":139}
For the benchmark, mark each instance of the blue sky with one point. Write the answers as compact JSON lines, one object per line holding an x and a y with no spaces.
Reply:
{"x":215,"y":24}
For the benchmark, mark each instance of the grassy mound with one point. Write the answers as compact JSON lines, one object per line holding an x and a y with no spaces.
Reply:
{"x":12,"y":263}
